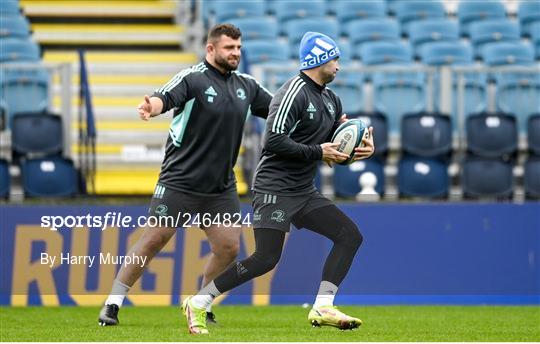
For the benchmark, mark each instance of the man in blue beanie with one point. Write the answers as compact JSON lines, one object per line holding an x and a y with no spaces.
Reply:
{"x":303,"y":116}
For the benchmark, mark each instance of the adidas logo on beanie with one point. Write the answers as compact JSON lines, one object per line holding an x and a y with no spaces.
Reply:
{"x":316,"y":49}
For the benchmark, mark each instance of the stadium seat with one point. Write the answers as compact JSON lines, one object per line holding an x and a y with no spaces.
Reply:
{"x":228,"y":10}
{"x":535,"y":37}
{"x":346,"y":177}
{"x":36,"y":133}
{"x":287,"y":10}
{"x":19,"y":50}
{"x":517,"y":92}
{"x":410,"y":11}
{"x":379,"y":122}
{"x":528,"y":13}
{"x":9,"y":8}
{"x":472,"y":11}
{"x":264,"y":51}
{"x":350,"y":94}
{"x":422,"y":177}
{"x":369,"y":30}
{"x":494,"y":30}
{"x":487,"y":178}
{"x":347,"y":10}
{"x":432,"y":30}
{"x":508,"y":53}
{"x":533,"y":134}
{"x":374,"y":53}
{"x":443,"y":53}
{"x":24,"y":91}
{"x":475,"y":84}
{"x":296,"y":28}
{"x":531,"y":177}
{"x":53,"y":176}
{"x":4,"y":179}
{"x":347,"y":53}
{"x":426,"y":134}
{"x":14,"y":26}
{"x":254,"y":28}
{"x":491,"y":135}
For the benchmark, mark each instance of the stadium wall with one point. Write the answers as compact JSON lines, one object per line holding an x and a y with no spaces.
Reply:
{"x":412,"y":254}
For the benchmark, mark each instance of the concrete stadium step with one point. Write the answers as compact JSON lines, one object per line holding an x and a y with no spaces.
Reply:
{"x":108,"y":34}
{"x":99,"y":8}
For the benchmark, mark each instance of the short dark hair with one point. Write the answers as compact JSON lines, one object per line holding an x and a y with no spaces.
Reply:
{"x":228,"y":30}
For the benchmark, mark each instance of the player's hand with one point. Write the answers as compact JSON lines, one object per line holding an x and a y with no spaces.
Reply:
{"x":330,"y":155}
{"x":343,"y":118}
{"x":367,"y":150}
{"x":145,"y":109}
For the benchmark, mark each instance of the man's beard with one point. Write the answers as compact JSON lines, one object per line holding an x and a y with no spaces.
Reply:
{"x":329,"y":78}
{"x":223,"y":63}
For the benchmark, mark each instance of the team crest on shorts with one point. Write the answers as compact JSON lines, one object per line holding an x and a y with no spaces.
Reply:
{"x":161,"y":210}
{"x":278,"y":216}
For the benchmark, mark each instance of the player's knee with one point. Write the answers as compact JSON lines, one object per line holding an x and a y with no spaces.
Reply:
{"x":350,"y":236}
{"x":267,"y":262}
{"x":227,"y":250}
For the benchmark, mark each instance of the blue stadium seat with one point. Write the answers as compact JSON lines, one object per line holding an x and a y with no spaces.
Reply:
{"x":445,"y":53}
{"x":265,"y":51}
{"x":531,"y":178}
{"x":52,"y":176}
{"x":533,"y":134}
{"x":350,"y":94}
{"x":406,"y":86}
{"x":508,"y":53}
{"x":24,"y":91}
{"x":535,"y":37}
{"x":457,"y":53}
{"x":379,"y":122}
{"x":494,"y":30}
{"x":374,"y":53}
{"x":256,"y":28}
{"x":19,"y":50}
{"x":432,"y":30}
{"x":296,"y":28}
{"x":528,"y":13}
{"x":228,"y":10}
{"x":422,"y":177}
{"x":410,"y":11}
{"x":346,"y":177}
{"x":491,"y":135}
{"x":369,"y":30}
{"x":36,"y":133}
{"x":517,"y":92}
{"x":426,"y":134}
{"x":471,"y":11}
{"x":347,"y":10}
{"x":346,"y":51}
{"x":287,"y":10}
{"x":487,"y":178}
{"x":4,"y":179}
{"x":14,"y":26}
{"x":9,"y":8}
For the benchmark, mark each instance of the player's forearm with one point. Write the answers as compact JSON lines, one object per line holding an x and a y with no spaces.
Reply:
{"x":284,"y":146}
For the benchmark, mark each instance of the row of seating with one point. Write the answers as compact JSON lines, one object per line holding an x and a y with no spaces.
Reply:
{"x":406,"y":11}
{"x":429,"y":178}
{"x":22,"y":89}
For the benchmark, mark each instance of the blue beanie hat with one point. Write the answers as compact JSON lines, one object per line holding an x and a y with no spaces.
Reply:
{"x":316,"y":49}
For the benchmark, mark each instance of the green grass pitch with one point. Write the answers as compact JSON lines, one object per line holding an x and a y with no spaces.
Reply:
{"x":276,"y":323}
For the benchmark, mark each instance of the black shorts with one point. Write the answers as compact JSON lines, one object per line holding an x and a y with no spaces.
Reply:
{"x":278,"y":212}
{"x":185,"y":206}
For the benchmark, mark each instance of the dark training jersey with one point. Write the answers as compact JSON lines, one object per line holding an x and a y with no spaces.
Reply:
{"x":210,"y":109}
{"x":302,"y":115}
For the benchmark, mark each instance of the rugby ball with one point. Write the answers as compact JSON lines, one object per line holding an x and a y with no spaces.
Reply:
{"x":349,"y":136}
